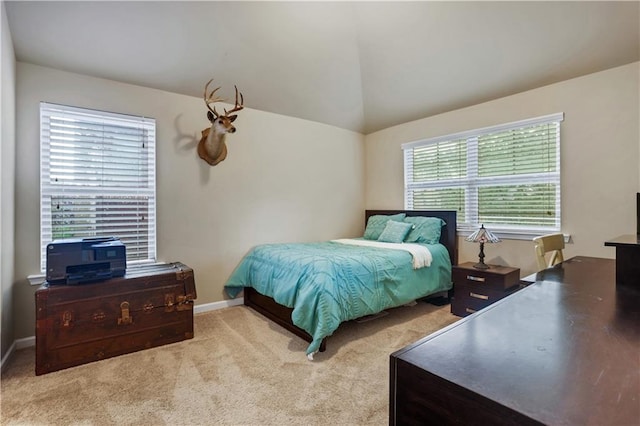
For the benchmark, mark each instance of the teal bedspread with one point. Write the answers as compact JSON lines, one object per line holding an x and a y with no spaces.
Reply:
{"x":327,"y":283}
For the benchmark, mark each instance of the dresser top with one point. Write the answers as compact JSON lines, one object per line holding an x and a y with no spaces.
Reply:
{"x":624,"y":240}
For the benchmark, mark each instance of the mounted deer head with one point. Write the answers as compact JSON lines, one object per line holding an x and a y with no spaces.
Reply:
{"x":212,"y":147}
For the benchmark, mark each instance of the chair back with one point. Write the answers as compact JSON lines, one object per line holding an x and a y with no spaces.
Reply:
{"x":553,"y":244}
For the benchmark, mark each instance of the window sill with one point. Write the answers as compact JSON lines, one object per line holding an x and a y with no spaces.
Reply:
{"x":38,"y":279}
{"x":527,"y":236}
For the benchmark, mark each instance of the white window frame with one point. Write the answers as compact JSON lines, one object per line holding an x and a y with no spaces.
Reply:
{"x":471,"y":182}
{"x":145,"y":188}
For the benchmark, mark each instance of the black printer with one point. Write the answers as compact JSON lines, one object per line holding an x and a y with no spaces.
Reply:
{"x":83,"y":260}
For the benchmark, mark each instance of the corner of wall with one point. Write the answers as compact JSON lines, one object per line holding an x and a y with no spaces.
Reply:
{"x":7,"y":183}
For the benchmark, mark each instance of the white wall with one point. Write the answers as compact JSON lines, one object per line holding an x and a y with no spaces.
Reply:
{"x":7,"y":177}
{"x":600,"y":143}
{"x":285,"y":179}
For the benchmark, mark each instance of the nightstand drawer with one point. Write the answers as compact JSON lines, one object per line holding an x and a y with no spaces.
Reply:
{"x":497,"y":277}
{"x":462,"y":309}
{"x":468,"y":299}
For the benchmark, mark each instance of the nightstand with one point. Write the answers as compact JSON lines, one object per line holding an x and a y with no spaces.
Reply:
{"x":474,"y":289}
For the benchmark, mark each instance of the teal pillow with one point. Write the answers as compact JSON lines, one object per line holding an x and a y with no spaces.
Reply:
{"x":425,"y":230}
{"x":376,"y":224}
{"x":395,"y":232}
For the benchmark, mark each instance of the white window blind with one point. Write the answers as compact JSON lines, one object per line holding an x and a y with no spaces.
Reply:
{"x":506,"y":177}
{"x":97,"y":178}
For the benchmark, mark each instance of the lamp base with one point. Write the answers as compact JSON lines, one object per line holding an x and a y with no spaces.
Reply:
{"x":481,"y":265}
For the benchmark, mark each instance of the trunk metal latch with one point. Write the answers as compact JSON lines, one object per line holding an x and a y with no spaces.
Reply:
{"x":125,"y":319}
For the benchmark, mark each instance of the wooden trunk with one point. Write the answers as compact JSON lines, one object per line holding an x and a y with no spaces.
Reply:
{"x":150,"y":306}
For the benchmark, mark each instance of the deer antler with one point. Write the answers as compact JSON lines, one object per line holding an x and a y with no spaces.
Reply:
{"x":210,"y":99}
{"x":237,"y":107}
{"x":212,"y":147}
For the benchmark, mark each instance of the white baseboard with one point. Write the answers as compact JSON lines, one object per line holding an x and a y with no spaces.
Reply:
{"x":8,"y":355}
{"x":25,"y":342}
{"x":198,"y":309}
{"x":17,"y":344}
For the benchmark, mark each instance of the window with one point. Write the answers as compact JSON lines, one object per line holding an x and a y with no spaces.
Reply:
{"x":97,"y":178}
{"x":506,"y":177}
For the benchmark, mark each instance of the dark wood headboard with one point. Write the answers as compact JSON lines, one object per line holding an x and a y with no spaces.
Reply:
{"x":448,"y":237}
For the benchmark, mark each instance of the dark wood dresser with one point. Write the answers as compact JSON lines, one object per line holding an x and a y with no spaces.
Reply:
{"x":563,"y":350}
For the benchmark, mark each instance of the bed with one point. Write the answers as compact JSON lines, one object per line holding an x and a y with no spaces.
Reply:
{"x":310,"y":288}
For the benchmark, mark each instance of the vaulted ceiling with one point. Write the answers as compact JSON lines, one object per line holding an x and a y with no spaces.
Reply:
{"x":362,"y":66}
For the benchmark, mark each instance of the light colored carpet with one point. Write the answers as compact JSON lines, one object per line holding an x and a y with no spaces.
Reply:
{"x":240,"y":368}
